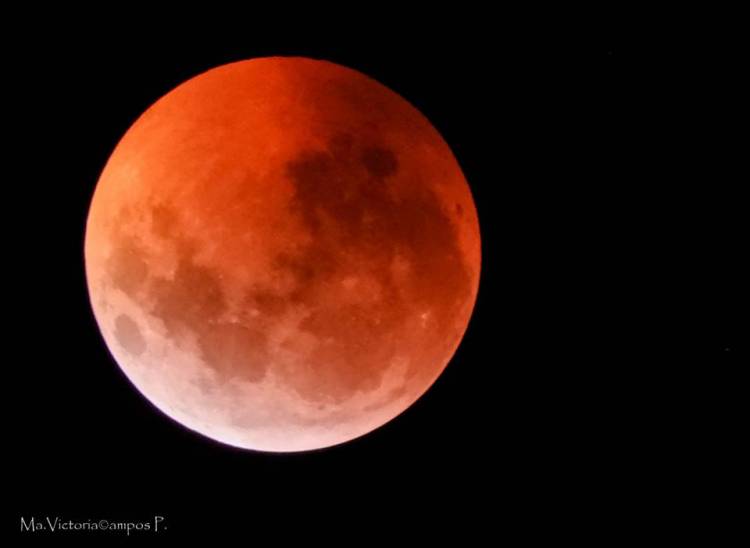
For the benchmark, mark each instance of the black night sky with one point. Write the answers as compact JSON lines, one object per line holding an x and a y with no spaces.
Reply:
{"x":597,"y":385}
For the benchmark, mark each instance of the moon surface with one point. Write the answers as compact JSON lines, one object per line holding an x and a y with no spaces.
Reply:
{"x":282,"y":254}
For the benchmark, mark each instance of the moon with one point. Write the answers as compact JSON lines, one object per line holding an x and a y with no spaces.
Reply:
{"x":282,"y":254}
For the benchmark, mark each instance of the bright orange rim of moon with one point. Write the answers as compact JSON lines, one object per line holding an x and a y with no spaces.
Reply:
{"x":282,"y":254}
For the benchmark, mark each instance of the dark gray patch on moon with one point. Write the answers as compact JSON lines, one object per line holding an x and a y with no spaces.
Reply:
{"x":379,"y":162}
{"x":192,"y":299}
{"x":341,"y":146}
{"x":126,"y":267}
{"x":163,"y":221}
{"x":350,"y":216}
{"x":235,"y":351}
{"x":192,"y":302}
{"x":269,"y":303}
{"x":129,"y":336}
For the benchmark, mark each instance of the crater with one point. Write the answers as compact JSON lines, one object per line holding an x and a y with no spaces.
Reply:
{"x":129,"y":336}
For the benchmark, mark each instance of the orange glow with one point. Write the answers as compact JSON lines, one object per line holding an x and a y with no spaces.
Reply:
{"x":282,"y":254}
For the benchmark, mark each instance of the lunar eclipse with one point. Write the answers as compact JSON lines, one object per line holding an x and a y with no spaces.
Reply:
{"x":282,"y":254}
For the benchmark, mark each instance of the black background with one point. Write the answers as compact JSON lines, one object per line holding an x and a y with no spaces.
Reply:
{"x":597,"y":382}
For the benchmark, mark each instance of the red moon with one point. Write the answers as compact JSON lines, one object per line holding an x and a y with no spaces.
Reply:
{"x":282,"y":254}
